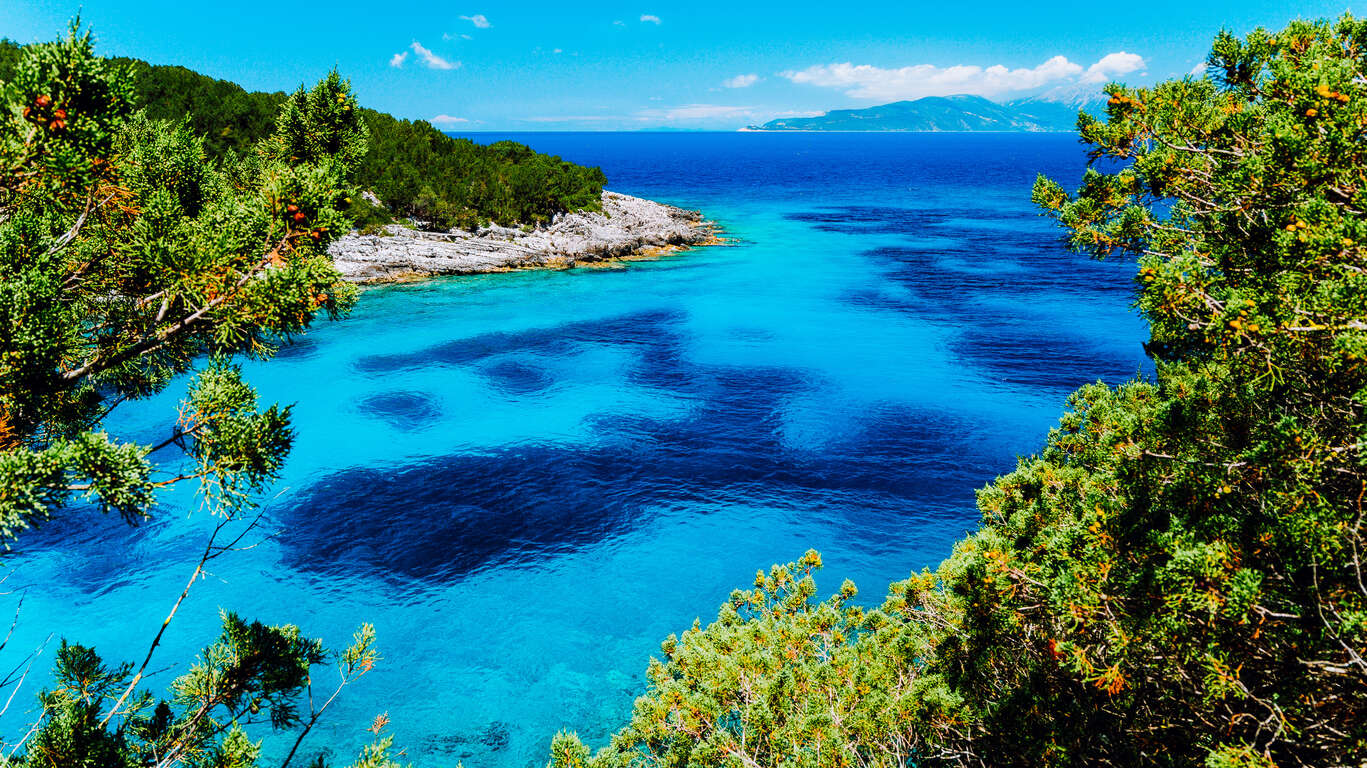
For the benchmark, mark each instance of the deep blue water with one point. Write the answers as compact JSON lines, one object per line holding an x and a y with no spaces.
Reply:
{"x":527,"y":480}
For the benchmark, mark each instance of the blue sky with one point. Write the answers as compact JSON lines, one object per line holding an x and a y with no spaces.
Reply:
{"x":474,"y":65}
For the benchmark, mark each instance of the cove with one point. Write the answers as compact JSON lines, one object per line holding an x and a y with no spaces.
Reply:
{"x":526,"y":481}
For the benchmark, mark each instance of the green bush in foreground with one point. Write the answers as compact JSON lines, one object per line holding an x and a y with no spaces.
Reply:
{"x":1177,"y":578}
{"x":127,"y":259}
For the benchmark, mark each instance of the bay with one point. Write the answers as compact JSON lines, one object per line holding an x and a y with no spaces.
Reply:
{"x":527,"y":480}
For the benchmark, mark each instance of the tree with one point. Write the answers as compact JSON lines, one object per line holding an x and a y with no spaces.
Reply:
{"x":1177,"y":578}
{"x":783,"y":679}
{"x":126,"y":260}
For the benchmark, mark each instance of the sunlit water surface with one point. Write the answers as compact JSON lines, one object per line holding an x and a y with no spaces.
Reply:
{"x":525,"y":481}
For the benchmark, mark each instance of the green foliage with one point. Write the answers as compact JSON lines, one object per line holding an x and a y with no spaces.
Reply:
{"x":782,"y":679}
{"x":320,"y":126}
{"x":252,"y":673}
{"x":418,"y":171}
{"x":378,"y":755}
{"x":128,"y":258}
{"x":367,"y":217}
{"x":237,"y":447}
{"x":118,"y":273}
{"x":414,"y":169}
{"x":35,"y":484}
{"x":1177,"y":578}
{"x":231,"y":119}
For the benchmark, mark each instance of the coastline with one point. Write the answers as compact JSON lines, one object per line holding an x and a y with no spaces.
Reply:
{"x":628,"y":228}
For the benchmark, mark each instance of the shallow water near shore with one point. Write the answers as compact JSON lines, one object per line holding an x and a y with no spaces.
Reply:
{"x":526,"y":481}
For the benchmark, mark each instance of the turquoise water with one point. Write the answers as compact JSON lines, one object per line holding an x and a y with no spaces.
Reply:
{"x":526,"y":481}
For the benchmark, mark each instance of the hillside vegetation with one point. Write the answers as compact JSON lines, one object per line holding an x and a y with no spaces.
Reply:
{"x":1176,"y":579}
{"x":414,"y":169}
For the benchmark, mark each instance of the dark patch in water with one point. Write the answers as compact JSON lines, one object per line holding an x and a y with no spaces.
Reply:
{"x":551,"y":342}
{"x":402,"y":410}
{"x":301,"y":348}
{"x":986,"y":292}
{"x":981,"y":283}
{"x":872,"y":220}
{"x":492,"y":737}
{"x":1025,"y":357}
{"x":100,"y":553}
{"x":516,"y":378}
{"x":526,"y":503}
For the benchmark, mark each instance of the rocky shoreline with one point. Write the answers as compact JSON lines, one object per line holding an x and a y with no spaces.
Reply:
{"x":627,"y":227}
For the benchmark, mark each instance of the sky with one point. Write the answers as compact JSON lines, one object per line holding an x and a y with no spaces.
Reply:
{"x":478,"y":65}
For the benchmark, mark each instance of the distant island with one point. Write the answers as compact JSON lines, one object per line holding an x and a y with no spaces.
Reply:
{"x":942,"y":113}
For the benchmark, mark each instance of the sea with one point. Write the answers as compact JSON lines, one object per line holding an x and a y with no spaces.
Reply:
{"x":526,"y":481}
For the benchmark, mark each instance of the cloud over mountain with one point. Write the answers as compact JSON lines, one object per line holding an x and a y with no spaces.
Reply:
{"x":865,"y":81}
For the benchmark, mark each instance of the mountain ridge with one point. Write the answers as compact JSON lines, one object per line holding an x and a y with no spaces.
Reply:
{"x":930,"y":114}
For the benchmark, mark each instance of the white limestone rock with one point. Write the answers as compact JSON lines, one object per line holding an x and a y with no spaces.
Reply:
{"x":627,"y":226}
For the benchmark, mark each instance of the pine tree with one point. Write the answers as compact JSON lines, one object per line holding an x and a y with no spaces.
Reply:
{"x":128,"y":260}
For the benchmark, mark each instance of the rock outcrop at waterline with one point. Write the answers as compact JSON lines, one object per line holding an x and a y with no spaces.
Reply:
{"x":627,"y":226}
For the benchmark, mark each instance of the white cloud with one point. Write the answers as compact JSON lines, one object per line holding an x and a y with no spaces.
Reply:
{"x":741,"y":81}
{"x":1199,"y":70}
{"x":430,"y":59}
{"x":558,"y":50}
{"x":650,"y":18}
{"x":1113,"y":65}
{"x":869,"y":82}
{"x":619,"y":23}
{"x":446,"y":120}
{"x":864,"y":81}
{"x":398,"y":59}
{"x":479,"y":20}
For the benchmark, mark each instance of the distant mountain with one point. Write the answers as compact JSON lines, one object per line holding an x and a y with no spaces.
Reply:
{"x":941,"y":113}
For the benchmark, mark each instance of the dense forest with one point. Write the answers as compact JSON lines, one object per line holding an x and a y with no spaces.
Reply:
{"x":416,"y":170}
{"x":1177,"y":578}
